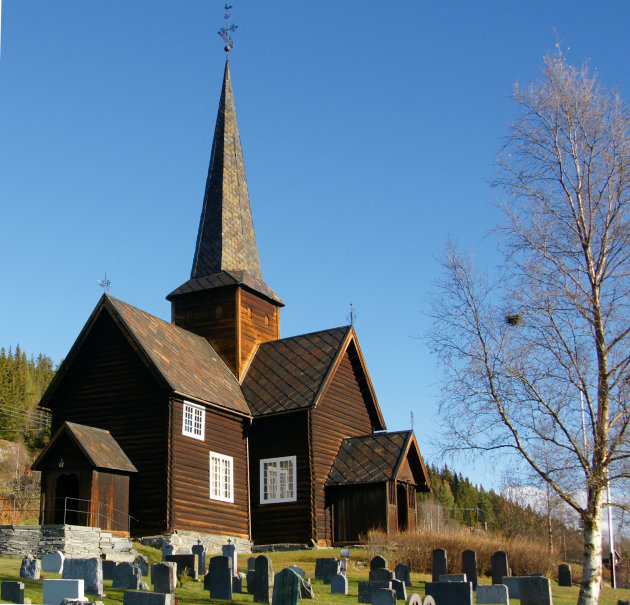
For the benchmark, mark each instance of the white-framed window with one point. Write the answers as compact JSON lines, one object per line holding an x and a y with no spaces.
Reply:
{"x":221,"y":477}
{"x":278,"y":480}
{"x":194,"y":421}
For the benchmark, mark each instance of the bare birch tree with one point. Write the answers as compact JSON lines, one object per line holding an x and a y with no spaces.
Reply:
{"x":536,"y":353}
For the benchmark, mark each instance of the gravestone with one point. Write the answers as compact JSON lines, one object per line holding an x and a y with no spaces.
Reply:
{"x":220,"y":578}
{"x":143,"y":563}
{"x":53,"y":562}
{"x":229,"y":550}
{"x":453,"y":577}
{"x":622,"y":602}
{"x":200,"y":550}
{"x":134,"y":597}
{"x":251,"y":581}
{"x":380,"y":574}
{"x":84,"y":601}
{"x":298,"y":570}
{"x":90,"y":570}
{"x":565,"y":578}
{"x":306,"y":590}
{"x":500,"y":567}
{"x":469,"y":566}
{"x":513,"y":584}
{"x":167,"y":549}
{"x":400,"y":589}
{"x":450,"y":593}
{"x":108,"y":569}
{"x":56,"y":591}
{"x":402,"y":573}
{"x":367,"y":588}
{"x":495,"y":594}
{"x":378,"y":562}
{"x":264,"y":580}
{"x":286,"y":588}
{"x":13,"y":592}
{"x":164,"y":577}
{"x":251,"y":564}
{"x":128,"y":576}
{"x":535,"y":590}
{"x":186,"y":565}
{"x":428,"y":600}
{"x":440,"y":566}
{"x":326,"y":568}
{"x":414,"y":599}
{"x":237,"y":584}
{"x":31,"y":568}
{"x":339,"y":584}
{"x":384,"y":596}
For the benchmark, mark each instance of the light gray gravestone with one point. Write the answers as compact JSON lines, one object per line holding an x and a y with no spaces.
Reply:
{"x":251,"y":564}
{"x":450,"y":593}
{"x":402,"y":573}
{"x":339,"y":584}
{"x":137,"y":597}
{"x":264,"y":580}
{"x":200,"y":550}
{"x":90,"y":570}
{"x":306,"y":589}
{"x":535,"y":590}
{"x":31,"y":568}
{"x":469,"y":567}
{"x":298,"y":570}
{"x":381,"y":574}
{"x":565,"y":578}
{"x":143,"y":563}
{"x":167,"y":549}
{"x":229,"y":550}
{"x":495,"y":594}
{"x":56,"y":591}
{"x":453,"y":577}
{"x":164,"y":577}
{"x":83,"y":601}
{"x":108,"y":569}
{"x":414,"y":599}
{"x":220,"y":578}
{"x":128,"y":576}
{"x":53,"y":562}
{"x":440,"y":566}
{"x":513,"y":583}
{"x":500,"y":567}
{"x":428,"y":600}
{"x":367,"y":588}
{"x":378,"y":562}
{"x":286,"y":588}
{"x":251,"y":581}
{"x":400,"y":589}
{"x":384,"y":596}
{"x":186,"y":565}
{"x":13,"y":592}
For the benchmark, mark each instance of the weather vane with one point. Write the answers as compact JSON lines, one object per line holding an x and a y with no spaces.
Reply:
{"x":225,"y":32}
{"x":105,"y":284}
{"x":352,"y":316}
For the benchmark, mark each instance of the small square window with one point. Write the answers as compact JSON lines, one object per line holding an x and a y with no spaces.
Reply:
{"x":194,"y":421}
{"x":221,"y":477}
{"x":278,"y":480}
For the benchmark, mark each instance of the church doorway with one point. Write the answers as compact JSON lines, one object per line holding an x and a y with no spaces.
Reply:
{"x":402,"y":504}
{"x":67,"y":499}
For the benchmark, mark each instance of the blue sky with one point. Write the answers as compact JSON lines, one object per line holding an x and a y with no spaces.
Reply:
{"x":369,"y":131}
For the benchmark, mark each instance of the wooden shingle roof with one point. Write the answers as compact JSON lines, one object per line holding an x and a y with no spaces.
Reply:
{"x":288,"y":374}
{"x":374,"y":459}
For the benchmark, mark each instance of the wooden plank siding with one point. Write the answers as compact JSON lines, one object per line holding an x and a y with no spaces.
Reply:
{"x":341,"y":412}
{"x":192,"y":508}
{"x":110,"y":500}
{"x":108,"y":387}
{"x":259,"y":322}
{"x":356,"y":510}
{"x":273,"y":437}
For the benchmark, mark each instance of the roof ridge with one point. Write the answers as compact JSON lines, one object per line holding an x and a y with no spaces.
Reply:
{"x":296,"y":336}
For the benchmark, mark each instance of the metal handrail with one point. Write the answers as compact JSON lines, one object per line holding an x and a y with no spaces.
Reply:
{"x":100,"y":515}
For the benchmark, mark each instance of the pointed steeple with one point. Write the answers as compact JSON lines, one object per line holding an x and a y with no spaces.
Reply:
{"x":226,"y":239}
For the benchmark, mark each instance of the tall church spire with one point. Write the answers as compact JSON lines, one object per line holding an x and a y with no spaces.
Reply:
{"x":226,"y":239}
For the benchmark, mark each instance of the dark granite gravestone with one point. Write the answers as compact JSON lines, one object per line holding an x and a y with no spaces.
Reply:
{"x":143,"y":563}
{"x":286,"y":588}
{"x":440,"y":566}
{"x":326,"y":568}
{"x":384,"y":596}
{"x":13,"y":592}
{"x":513,"y":584}
{"x":186,"y":565}
{"x":237,"y":584}
{"x":450,"y":593}
{"x":200,"y":551}
{"x":380,"y":574}
{"x":264,"y":579}
{"x":298,"y":570}
{"x":469,"y":566}
{"x":53,"y":562}
{"x":402,"y":573}
{"x":535,"y":590}
{"x":127,"y":575}
{"x":167,"y":549}
{"x":306,"y":589}
{"x":90,"y":570}
{"x":453,"y":577}
{"x":164,"y":577}
{"x":229,"y":550}
{"x":220,"y":578}
{"x":367,"y":588}
{"x":378,"y":562}
{"x":108,"y":569}
{"x":622,"y":602}
{"x":251,"y":581}
{"x":492,"y":594}
{"x":565,"y":578}
{"x":133,"y":597}
{"x":400,"y":589}
{"x":251,"y":564}
{"x":31,"y":568}
{"x":339,"y":584}
{"x":499,"y":566}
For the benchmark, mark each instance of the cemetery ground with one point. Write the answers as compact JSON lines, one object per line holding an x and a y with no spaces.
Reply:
{"x":192,"y":593}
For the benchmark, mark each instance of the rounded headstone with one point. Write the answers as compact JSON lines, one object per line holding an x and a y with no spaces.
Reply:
{"x":378,"y":562}
{"x":428,"y":600}
{"x":414,"y":599}
{"x":53,"y":562}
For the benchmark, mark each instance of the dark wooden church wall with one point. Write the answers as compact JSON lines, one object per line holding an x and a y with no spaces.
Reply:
{"x":192,"y":507}
{"x":108,"y":387}
{"x":112,"y":491}
{"x":259,"y":323}
{"x":356,"y":510}
{"x":273,"y":437}
{"x":341,"y":413}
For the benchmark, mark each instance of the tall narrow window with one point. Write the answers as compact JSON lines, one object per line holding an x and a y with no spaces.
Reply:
{"x":221,"y":477}
{"x":278,"y":480}
{"x":194,"y":421}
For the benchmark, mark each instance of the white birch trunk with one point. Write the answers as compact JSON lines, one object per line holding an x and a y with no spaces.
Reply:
{"x":592,"y":572}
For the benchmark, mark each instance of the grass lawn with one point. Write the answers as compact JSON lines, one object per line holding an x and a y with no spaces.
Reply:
{"x":192,"y":593}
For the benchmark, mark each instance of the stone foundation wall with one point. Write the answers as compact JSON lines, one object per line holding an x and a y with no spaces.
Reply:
{"x":183,"y":541}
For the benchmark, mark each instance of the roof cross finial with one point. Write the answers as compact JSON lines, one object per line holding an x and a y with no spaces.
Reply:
{"x":225,"y":32}
{"x":352,"y":316}
{"x":105,"y":284}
